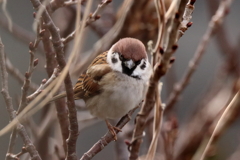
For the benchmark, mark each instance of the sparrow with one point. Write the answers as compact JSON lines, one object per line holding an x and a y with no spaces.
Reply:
{"x":115,"y":82}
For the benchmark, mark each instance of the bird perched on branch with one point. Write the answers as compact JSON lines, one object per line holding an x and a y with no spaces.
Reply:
{"x":115,"y":82}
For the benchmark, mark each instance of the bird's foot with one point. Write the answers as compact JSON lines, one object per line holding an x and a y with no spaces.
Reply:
{"x":113,"y":130}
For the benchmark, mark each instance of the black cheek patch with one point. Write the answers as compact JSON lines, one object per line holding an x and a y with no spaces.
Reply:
{"x":143,"y":65}
{"x":114,"y":60}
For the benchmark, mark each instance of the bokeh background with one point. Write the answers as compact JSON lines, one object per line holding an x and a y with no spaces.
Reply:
{"x":21,"y":13}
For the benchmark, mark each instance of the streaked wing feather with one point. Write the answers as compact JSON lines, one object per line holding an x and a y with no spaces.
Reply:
{"x":97,"y":71}
{"x":86,"y":85}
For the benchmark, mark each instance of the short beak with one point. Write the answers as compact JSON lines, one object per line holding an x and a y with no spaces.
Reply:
{"x":129,"y":64}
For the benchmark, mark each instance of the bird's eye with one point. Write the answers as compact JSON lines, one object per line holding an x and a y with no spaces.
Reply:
{"x":121,"y":57}
{"x":137,"y":62}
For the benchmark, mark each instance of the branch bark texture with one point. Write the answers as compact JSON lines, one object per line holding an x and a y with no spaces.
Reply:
{"x":59,"y":49}
{"x":9,"y":106}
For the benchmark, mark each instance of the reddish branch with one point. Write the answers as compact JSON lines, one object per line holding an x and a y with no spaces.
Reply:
{"x":32,"y":64}
{"x":55,"y":4}
{"x":44,"y":84}
{"x":108,"y":39}
{"x":186,"y":147}
{"x":224,"y":120}
{"x":190,"y":137}
{"x":159,"y":71}
{"x":9,"y":106}
{"x":59,"y":49}
{"x":92,"y":17}
{"x":107,"y":138}
{"x":187,"y":16}
{"x":95,"y":15}
{"x":23,"y":151}
{"x":18,"y":75}
{"x":25,"y":88}
{"x":61,"y":108}
{"x":11,"y":145}
{"x":212,"y":27}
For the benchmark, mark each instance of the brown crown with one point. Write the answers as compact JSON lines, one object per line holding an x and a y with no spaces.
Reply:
{"x":130,"y":48}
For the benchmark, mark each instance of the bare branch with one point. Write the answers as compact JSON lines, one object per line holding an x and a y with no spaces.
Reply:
{"x":92,"y":17}
{"x":212,"y":26}
{"x":58,"y":46}
{"x":230,"y":109}
{"x":44,"y":84}
{"x":18,"y":75}
{"x":55,"y":4}
{"x":32,"y":64}
{"x":159,"y":70}
{"x":5,"y":12}
{"x":11,"y":145}
{"x":104,"y":43}
{"x":187,"y":16}
{"x":107,"y":138}
{"x":9,"y":105}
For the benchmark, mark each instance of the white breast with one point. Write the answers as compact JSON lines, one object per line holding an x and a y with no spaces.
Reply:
{"x":120,"y":93}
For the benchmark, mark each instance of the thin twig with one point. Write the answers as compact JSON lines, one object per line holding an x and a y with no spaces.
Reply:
{"x":18,"y":75}
{"x":107,"y":138}
{"x":92,"y":17}
{"x":159,"y":70}
{"x":51,"y":63}
{"x":190,"y":137}
{"x":44,"y":84}
{"x":157,"y":124}
{"x":212,"y":26}
{"x":11,"y":145}
{"x":187,"y":16}
{"x":32,"y":65}
{"x":58,"y":46}
{"x":160,"y":8}
{"x":54,"y":86}
{"x":6,"y":13}
{"x":23,"y":151}
{"x":60,"y":105}
{"x":104,"y":43}
{"x":232,"y":105}
{"x":56,"y":4}
{"x":9,"y":105}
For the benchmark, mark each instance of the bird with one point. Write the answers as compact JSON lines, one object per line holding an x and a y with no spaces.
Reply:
{"x":115,"y":82}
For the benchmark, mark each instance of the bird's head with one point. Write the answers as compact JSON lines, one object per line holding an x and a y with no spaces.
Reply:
{"x":129,"y":56}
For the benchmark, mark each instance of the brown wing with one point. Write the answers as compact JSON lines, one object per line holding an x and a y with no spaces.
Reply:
{"x":87,"y":84}
{"x":97,"y":71}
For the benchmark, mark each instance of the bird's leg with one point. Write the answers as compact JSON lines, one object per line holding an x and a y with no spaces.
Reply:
{"x":112,"y":129}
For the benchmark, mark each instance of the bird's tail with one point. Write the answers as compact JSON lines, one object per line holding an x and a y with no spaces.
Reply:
{"x":61,"y":95}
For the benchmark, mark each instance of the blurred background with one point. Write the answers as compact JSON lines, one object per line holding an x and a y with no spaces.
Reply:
{"x":191,"y":100}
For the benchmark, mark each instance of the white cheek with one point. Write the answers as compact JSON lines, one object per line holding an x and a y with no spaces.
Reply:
{"x":115,"y":66}
{"x":143,"y":73}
